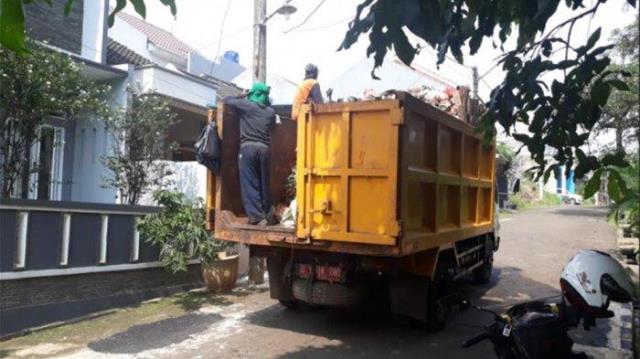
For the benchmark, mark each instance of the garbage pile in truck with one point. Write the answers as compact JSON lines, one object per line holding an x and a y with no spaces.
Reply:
{"x":457,"y":102}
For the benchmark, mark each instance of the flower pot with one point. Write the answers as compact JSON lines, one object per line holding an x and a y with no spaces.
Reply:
{"x":221,"y":274}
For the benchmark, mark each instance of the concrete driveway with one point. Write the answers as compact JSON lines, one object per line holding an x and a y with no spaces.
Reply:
{"x":535,"y":246}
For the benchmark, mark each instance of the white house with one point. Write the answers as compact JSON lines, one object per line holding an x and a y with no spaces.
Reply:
{"x":131,"y":52}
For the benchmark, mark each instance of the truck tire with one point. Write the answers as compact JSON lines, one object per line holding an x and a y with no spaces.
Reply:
{"x":482,"y":274}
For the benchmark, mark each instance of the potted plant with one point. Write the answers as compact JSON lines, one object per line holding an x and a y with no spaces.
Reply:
{"x":178,"y":229}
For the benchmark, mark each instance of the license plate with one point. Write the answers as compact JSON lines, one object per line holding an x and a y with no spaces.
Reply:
{"x":330,"y":274}
{"x":326,"y":273}
{"x":506,"y":331}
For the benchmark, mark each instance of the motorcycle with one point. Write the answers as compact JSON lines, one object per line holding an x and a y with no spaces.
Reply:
{"x":530,"y":330}
{"x":538,"y":330}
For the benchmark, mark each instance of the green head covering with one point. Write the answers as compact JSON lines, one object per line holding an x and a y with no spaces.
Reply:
{"x":259,"y":94}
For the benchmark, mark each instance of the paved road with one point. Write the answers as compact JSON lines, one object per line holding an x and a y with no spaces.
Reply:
{"x":535,"y":246}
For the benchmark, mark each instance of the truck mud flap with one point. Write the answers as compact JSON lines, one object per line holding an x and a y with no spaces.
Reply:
{"x":408,"y":297}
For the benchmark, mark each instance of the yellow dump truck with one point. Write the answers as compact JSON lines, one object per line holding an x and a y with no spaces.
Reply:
{"x":395,"y":200}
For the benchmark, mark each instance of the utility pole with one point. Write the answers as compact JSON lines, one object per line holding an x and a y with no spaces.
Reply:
{"x":259,"y":41}
{"x":476,"y":80}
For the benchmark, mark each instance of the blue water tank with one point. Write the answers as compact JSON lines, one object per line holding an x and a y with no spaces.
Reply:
{"x":232,"y":56}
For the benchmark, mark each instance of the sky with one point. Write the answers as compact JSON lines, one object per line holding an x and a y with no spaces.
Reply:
{"x":215,"y":26}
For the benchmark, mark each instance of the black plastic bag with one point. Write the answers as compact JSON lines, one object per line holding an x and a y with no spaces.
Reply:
{"x":208,"y":148}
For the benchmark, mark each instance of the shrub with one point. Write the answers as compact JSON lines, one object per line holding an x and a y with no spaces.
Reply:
{"x":179,"y":230}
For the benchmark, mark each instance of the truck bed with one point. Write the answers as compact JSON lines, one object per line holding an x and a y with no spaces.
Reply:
{"x":382,"y":178}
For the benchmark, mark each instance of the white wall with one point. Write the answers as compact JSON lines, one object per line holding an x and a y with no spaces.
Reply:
{"x":127,"y":35}
{"x":224,"y":69}
{"x":94,"y":29}
{"x":187,"y":177}
{"x":91,"y":144}
{"x":171,"y":84}
{"x":282,"y":90}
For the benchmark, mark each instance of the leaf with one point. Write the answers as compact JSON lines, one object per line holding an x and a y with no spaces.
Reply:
{"x":140,"y":8}
{"x":619,"y":84}
{"x":12,"y":33}
{"x":547,"y":172}
{"x":613,"y":189}
{"x":120,"y":4}
{"x":520,"y":137}
{"x":600,"y":92}
{"x":68,"y":6}
{"x":614,"y":176}
{"x":172,"y":5}
{"x":401,"y":46}
{"x":593,"y":185}
{"x":615,"y":159}
{"x":593,"y":38}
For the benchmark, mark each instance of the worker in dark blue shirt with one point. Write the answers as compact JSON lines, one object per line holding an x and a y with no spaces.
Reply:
{"x":257,"y":118}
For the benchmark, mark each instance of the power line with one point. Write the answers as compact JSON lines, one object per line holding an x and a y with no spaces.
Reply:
{"x":341,"y":21}
{"x":486,"y":84}
{"x":224,"y":19}
{"x":307,"y":18}
{"x":491,"y":69}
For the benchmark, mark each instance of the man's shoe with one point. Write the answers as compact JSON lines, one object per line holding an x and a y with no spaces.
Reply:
{"x":262,"y":223}
{"x":272,"y":219}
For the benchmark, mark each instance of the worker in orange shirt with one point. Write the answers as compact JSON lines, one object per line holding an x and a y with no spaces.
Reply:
{"x":308,"y":91}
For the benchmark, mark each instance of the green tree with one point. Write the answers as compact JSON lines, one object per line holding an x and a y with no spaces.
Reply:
{"x":33,"y":88}
{"x":561,"y":116}
{"x":622,"y":109}
{"x":139,"y":133}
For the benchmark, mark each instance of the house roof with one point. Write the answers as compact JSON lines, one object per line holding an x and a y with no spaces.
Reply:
{"x":224,"y":88}
{"x":118,"y":53}
{"x":159,"y":37}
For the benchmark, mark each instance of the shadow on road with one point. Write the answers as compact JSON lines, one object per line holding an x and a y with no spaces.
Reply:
{"x":155,"y":335}
{"x":580,"y":211}
{"x":352,"y":333}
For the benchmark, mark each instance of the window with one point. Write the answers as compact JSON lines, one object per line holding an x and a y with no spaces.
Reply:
{"x":47,"y":155}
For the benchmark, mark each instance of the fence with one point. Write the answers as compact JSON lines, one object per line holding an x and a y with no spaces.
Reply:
{"x":50,"y":238}
{"x":60,"y":260}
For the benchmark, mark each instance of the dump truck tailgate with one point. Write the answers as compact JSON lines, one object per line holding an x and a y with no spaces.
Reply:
{"x":347,"y":167}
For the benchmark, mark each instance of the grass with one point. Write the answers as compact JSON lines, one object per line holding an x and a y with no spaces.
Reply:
{"x":66,"y":338}
{"x":522,"y":202}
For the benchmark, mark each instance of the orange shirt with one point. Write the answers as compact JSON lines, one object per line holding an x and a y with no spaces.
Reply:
{"x":302,"y":97}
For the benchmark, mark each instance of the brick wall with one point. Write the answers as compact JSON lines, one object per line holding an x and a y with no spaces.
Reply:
{"x":44,"y":22}
{"x":27,"y":303}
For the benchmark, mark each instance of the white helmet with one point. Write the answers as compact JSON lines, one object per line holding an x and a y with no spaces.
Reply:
{"x":591,"y":279}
